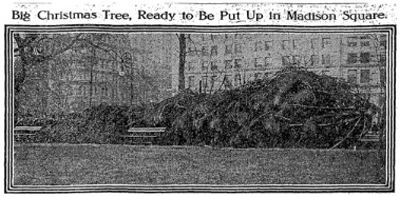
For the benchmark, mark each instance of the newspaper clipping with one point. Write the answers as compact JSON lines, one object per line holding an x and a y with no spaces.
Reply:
{"x":198,"y":97}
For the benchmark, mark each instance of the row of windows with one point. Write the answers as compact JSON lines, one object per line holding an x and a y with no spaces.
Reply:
{"x":265,"y":62}
{"x":365,"y":76}
{"x":258,"y":46}
{"x":84,"y":90}
{"x":364,"y":41}
{"x":213,"y":50}
{"x":228,"y":81}
{"x":366,"y":57}
{"x":285,"y":45}
{"x":362,"y":76}
{"x":213,"y":37}
{"x":85,"y":75}
{"x":296,"y":43}
{"x":313,"y":60}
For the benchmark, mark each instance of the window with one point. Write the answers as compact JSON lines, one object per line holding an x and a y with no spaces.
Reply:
{"x":285,"y":44}
{"x":227,"y":81}
{"x":382,"y":58}
{"x":191,"y":51}
{"x":115,"y":93}
{"x":257,"y":76}
{"x":352,"y":58}
{"x":258,"y":62}
{"x":296,"y":60}
{"x":325,"y":72}
{"x":382,"y":40}
{"x":80,"y":90}
{"x":213,"y":80}
{"x":85,"y":75}
{"x":314,"y":60}
{"x":239,"y":36}
{"x":352,"y":76}
{"x":213,"y":37}
{"x":238,"y":80}
{"x":364,"y":41}
{"x":258,"y":46}
{"x":352,"y":41}
{"x":268,"y":61}
{"x":238,"y":48}
{"x":266,"y":75}
{"x":228,"y":49}
{"x":204,"y":51}
{"x":326,"y":42}
{"x":268,"y":45}
{"x":326,"y":59}
{"x":382,"y":43}
{"x":191,"y":81}
{"x":214,"y":66}
{"x":286,"y":60}
{"x":204,"y":66}
{"x":295,"y":44}
{"x":364,"y":58}
{"x":228,"y":64}
{"x":365,"y":76}
{"x":204,"y":83}
{"x":190,"y":65}
{"x":238,"y":63}
{"x":214,"y":50}
{"x":314,"y":43}
{"x":382,"y":76}
{"x":103,"y":91}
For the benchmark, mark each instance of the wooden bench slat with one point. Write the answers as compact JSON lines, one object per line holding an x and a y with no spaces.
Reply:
{"x":27,"y":128}
{"x":369,"y":140}
{"x":24,"y":134}
{"x":141,"y":143}
{"x":147,"y":130}
{"x":143,"y":133}
{"x":138,"y":136}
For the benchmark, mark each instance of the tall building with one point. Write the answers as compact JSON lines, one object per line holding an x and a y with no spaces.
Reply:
{"x":223,"y":61}
{"x":123,"y":69}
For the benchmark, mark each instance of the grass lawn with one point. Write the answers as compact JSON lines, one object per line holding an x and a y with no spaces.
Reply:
{"x":60,"y":164}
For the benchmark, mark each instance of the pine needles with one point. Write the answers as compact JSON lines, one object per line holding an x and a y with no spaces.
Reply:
{"x":295,"y":108}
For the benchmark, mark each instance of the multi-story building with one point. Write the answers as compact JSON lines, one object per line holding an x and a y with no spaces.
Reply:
{"x":121,"y":69}
{"x":223,"y":61}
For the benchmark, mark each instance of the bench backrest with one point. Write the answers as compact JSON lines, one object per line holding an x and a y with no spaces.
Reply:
{"x":27,"y":128}
{"x":147,"y":130}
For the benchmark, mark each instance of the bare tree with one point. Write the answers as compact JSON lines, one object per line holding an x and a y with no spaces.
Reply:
{"x":32,"y":51}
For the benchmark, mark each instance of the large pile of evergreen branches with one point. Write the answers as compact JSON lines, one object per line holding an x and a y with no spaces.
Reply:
{"x":296,"y":108}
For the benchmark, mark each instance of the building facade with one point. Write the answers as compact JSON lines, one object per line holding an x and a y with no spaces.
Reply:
{"x":123,"y":69}
{"x":224,"y":61}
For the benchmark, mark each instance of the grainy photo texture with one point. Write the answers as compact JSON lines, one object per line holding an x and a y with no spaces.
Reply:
{"x":174,"y":109}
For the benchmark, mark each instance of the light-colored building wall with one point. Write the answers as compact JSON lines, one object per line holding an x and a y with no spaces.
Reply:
{"x":136,"y":69}
{"x":222,"y":61}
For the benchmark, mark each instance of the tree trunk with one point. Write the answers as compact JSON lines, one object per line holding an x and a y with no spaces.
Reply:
{"x":182,"y":59}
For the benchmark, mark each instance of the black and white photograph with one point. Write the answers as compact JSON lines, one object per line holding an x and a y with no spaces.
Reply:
{"x":170,"y":108}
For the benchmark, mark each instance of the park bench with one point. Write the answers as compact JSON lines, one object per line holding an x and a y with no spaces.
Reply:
{"x":26,"y":133}
{"x":143,"y":135}
{"x":370,"y":138}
